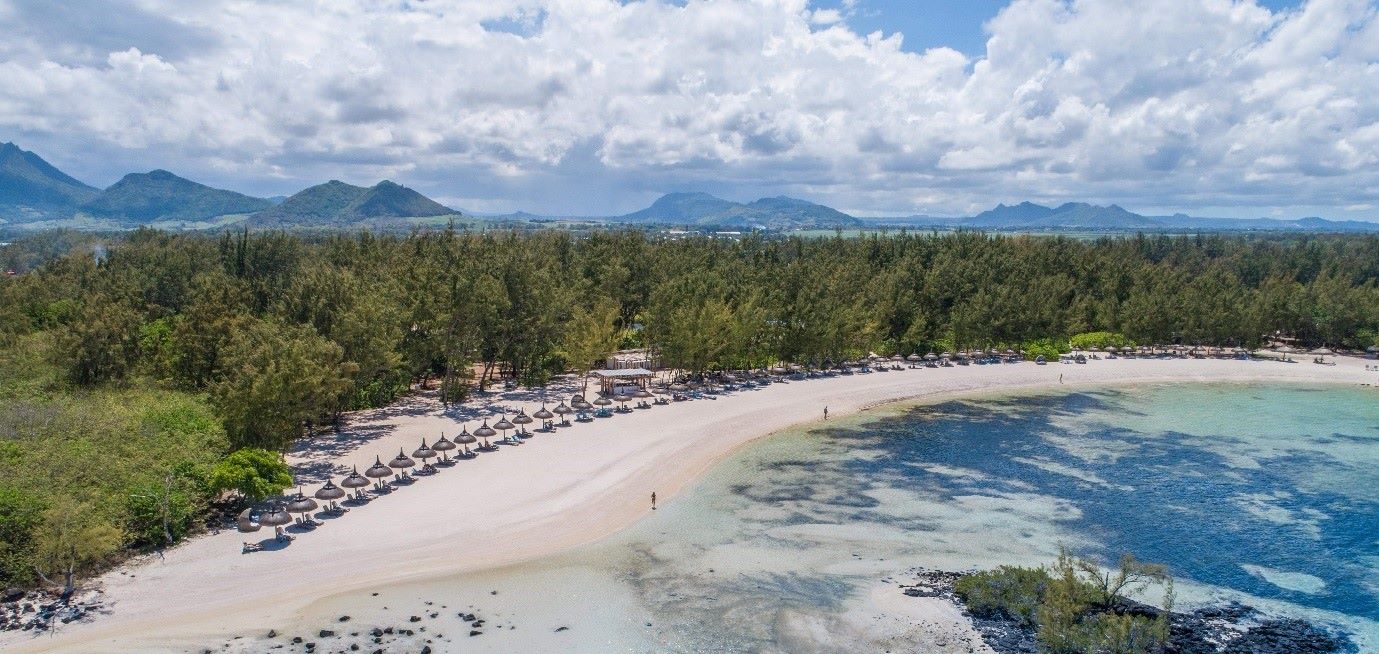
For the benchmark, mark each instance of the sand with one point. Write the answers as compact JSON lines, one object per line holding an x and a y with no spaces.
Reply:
{"x":549,"y":495}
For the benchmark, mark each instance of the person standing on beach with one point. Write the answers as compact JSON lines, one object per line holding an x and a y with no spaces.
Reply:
{"x":825,"y":413}
{"x":1060,"y":378}
{"x":653,"y":500}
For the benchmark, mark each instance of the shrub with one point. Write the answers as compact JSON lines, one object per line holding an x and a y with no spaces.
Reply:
{"x":1008,"y":591}
{"x":1078,"y":613}
{"x":1045,"y":347}
{"x":20,"y":513}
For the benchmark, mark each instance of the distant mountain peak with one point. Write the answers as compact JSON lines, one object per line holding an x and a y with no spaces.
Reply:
{"x":32,"y":189}
{"x":703,"y":209}
{"x":336,"y":203}
{"x":160,"y":195}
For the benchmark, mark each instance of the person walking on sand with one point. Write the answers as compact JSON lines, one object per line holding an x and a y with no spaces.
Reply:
{"x":1060,"y":378}
{"x":653,"y":500}
{"x":825,"y":413}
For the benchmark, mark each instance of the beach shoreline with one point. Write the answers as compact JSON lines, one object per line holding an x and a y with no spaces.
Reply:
{"x":555,"y":493}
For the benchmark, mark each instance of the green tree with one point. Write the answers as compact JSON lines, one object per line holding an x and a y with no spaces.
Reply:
{"x":275,"y":379}
{"x":71,"y":538}
{"x":100,"y":345}
{"x":253,"y":473}
{"x":591,"y":334}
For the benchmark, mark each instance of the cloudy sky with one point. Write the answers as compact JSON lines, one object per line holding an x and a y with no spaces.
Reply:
{"x":878,"y":107}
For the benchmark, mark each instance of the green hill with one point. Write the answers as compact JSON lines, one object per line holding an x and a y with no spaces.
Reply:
{"x":31,"y":189}
{"x":162,"y":196}
{"x":338,"y":203}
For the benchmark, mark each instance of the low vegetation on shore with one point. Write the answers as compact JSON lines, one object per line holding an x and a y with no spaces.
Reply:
{"x":1075,"y":606}
{"x":131,"y":368}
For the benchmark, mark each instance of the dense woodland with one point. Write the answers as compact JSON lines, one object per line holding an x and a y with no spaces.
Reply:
{"x":130,"y":367}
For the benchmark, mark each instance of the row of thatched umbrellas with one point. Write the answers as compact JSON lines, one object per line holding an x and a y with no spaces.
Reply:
{"x":280,"y":514}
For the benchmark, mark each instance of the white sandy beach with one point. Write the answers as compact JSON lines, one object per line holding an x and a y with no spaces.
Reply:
{"x":551,"y":494}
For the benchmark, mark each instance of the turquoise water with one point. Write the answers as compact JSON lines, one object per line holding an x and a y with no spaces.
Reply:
{"x":1262,"y":493}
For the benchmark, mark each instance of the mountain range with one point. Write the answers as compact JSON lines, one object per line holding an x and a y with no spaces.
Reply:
{"x":1080,"y":216}
{"x":35,"y":194}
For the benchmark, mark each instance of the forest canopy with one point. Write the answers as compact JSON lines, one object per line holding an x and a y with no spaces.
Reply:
{"x":160,"y":354}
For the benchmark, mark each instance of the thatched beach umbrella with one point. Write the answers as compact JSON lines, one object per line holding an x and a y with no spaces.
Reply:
{"x":465,"y":439}
{"x":521,"y":419}
{"x":545,"y":416}
{"x":602,"y":401}
{"x":443,"y":445}
{"x":301,"y":504}
{"x":276,"y":517}
{"x":424,"y":452}
{"x":378,"y":472}
{"x":562,"y":410}
{"x":503,"y":425}
{"x":329,"y":493}
{"x":485,"y":432}
{"x":931,"y":357}
{"x":355,"y":481}
{"x":644,"y":394}
{"x":401,"y":462}
{"x":913,"y":358}
{"x":622,"y":400}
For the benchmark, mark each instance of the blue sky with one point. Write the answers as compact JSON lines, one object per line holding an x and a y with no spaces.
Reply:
{"x":934,"y":23}
{"x":596,"y":107}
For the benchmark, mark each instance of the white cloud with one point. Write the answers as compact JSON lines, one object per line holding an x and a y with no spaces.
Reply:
{"x":598,"y":105}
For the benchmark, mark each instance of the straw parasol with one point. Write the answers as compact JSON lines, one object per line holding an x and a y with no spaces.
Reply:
{"x":424,"y":452}
{"x":521,"y":419}
{"x":503,"y":425}
{"x":544,"y":415}
{"x":622,"y":400}
{"x":443,"y":445}
{"x":1322,"y":351}
{"x":562,"y":411}
{"x":485,"y":432}
{"x":355,"y":481}
{"x":301,"y":504}
{"x":378,"y":472}
{"x":276,"y":518}
{"x":401,"y":462}
{"x":329,"y":492}
{"x":603,"y":401}
{"x":466,"y":439}
{"x":931,"y":357}
{"x":643,"y":393}
{"x":914,"y":358}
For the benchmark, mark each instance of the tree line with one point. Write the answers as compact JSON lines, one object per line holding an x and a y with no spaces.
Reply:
{"x":281,"y":331}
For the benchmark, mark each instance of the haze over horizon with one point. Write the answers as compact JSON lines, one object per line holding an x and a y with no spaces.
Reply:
{"x":593,"y":107}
